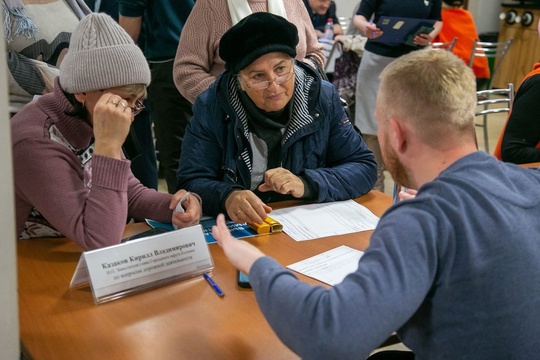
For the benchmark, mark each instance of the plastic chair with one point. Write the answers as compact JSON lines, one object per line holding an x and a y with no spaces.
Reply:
{"x":449,"y":45}
{"x":494,"y":51}
{"x":502,"y":96}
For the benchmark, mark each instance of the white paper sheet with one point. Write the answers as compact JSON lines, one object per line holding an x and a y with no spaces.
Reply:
{"x":330,"y":267}
{"x":307,"y":222}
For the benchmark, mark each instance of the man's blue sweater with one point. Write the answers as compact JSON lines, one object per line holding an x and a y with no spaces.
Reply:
{"x":455,"y":271}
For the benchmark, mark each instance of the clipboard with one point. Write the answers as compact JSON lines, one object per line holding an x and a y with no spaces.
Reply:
{"x":397,"y":30}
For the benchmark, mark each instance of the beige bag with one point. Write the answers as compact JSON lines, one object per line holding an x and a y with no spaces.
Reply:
{"x":354,"y":43}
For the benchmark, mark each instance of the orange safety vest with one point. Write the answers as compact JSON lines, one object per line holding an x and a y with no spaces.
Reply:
{"x":497,"y":151}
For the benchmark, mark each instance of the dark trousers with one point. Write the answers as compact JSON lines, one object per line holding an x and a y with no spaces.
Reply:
{"x":139,"y":148}
{"x":144,"y":166}
{"x":171,"y":113}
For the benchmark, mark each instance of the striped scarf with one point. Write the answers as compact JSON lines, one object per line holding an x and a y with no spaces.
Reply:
{"x":300,"y":111}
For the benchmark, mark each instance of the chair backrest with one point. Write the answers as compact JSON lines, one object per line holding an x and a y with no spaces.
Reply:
{"x":490,"y":50}
{"x":344,"y":22}
{"x":489,"y":103}
{"x":448,"y":45}
{"x":495,"y":96}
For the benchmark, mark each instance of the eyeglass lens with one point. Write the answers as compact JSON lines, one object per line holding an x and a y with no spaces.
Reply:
{"x":261,"y":85}
{"x":139,"y":106}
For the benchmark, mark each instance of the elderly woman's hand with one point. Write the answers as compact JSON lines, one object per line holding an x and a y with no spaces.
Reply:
{"x":244,"y":206}
{"x":188,"y":209}
{"x":111,"y":121}
{"x":282,"y":181}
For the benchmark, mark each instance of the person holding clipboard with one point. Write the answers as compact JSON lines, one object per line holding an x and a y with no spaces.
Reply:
{"x":378,"y":54}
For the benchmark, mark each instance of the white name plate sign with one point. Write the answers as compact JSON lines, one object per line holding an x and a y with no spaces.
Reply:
{"x":138,"y":265}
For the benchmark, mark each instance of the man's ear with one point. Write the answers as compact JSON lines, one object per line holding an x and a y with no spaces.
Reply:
{"x":399,"y":136}
{"x":81,"y":97}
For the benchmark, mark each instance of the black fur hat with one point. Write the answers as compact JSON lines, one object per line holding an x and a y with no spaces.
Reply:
{"x":254,"y":36}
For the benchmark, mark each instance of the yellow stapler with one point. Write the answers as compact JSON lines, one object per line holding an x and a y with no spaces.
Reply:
{"x":268,"y":226}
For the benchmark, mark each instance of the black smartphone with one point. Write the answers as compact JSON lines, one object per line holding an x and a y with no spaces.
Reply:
{"x":424,"y":29}
{"x":242,"y":280}
{"x":153,"y":231}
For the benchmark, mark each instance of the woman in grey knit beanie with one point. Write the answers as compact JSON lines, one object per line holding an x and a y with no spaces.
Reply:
{"x":71,"y":176}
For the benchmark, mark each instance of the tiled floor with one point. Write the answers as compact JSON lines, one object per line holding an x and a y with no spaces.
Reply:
{"x":162,"y":185}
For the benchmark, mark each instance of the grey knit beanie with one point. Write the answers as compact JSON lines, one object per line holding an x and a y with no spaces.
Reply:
{"x":101,"y":55}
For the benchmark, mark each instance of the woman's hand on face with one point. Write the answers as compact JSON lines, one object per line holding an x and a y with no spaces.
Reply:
{"x":244,"y":206}
{"x":282,"y":181}
{"x":112,"y":119}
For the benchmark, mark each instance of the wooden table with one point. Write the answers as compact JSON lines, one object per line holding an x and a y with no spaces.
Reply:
{"x":184,"y":320}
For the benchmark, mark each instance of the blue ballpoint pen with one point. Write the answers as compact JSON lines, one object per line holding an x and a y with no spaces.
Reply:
{"x":214,"y":285}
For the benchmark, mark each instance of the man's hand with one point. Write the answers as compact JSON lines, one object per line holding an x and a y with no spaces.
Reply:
{"x":244,"y":206}
{"x":282,"y":181}
{"x":240,"y":253}
{"x":407,"y":195}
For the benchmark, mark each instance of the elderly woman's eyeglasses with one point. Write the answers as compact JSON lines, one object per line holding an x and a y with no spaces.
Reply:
{"x":135,"y":110}
{"x":258,"y":82}
{"x":139,"y":106}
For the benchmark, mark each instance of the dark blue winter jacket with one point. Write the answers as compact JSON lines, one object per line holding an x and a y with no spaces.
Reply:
{"x":320,"y":144}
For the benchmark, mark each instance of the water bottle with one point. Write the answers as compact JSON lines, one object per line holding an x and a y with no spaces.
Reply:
{"x":329,"y":29}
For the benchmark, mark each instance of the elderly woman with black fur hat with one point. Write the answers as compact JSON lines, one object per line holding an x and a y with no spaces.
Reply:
{"x":270,"y":129}
{"x":71,"y":177}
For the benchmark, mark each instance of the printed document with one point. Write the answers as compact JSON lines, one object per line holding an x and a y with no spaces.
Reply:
{"x":312,"y":221}
{"x":330,"y":267}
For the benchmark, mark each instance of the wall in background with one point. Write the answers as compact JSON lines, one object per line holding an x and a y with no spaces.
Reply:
{"x":486,"y":14}
{"x":345,"y":7}
{"x":9,"y":314}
